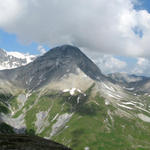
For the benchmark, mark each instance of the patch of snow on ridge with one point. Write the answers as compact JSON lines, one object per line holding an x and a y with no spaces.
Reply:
{"x":124,"y":106}
{"x":10,"y":60}
{"x":113,"y":96}
{"x":21,"y":56}
{"x":128,"y":103}
{"x":78,"y":100}
{"x":129,"y":89}
{"x":66,"y":90}
{"x":55,"y":117}
{"x":60,"y":124}
{"x":144,"y":117}
{"x":109,"y":88}
{"x":72,"y":91}
{"x":107,"y":102}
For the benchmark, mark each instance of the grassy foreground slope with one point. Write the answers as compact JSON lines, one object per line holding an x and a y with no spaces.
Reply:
{"x":83,"y":121}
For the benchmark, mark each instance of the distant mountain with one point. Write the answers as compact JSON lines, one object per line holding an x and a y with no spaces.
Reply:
{"x":125,"y":77}
{"x":63,"y":96}
{"x":10,"y":60}
{"x":132,"y":82}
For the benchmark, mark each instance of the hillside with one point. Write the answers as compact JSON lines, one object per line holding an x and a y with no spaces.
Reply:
{"x":63,"y":96}
{"x":22,"y":142}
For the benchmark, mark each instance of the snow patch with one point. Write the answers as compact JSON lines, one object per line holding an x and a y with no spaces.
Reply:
{"x":78,"y":100}
{"x":72,"y":91}
{"x":128,"y":103}
{"x":106,"y":102}
{"x":125,"y":106}
{"x":29,"y":58}
{"x":109,"y":88}
{"x":55,"y":117}
{"x":113,"y":96}
{"x":144,"y":117}
{"x":142,"y":109}
{"x":129,"y":89}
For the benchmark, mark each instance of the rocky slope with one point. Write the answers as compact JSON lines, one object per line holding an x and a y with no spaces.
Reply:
{"x":52,"y":66}
{"x":63,"y":96}
{"x":132,"y":82}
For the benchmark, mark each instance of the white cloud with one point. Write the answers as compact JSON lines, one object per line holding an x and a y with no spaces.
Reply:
{"x":9,"y":11}
{"x":110,"y":64}
{"x":94,"y":24}
{"x":41,"y":49}
{"x":142,"y":61}
{"x":113,"y":28}
{"x":142,"y":66}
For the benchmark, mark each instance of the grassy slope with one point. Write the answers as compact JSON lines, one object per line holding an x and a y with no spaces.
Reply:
{"x":91,"y":125}
{"x":95,"y":132}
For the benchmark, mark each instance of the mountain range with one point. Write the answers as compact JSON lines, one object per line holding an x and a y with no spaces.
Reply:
{"x":132,"y":82}
{"x":10,"y":60}
{"x":64,"y":96}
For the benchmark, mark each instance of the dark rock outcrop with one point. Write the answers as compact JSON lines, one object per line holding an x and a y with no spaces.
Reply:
{"x":23,"y":142}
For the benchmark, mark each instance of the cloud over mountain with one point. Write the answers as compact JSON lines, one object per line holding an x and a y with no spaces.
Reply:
{"x":114,"y":27}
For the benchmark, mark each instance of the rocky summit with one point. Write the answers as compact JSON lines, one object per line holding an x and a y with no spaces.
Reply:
{"x":63,"y":96}
{"x":53,"y":65}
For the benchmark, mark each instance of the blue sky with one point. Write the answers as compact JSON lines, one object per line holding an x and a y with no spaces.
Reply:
{"x":115,"y":34}
{"x":144,"y":4}
{"x":10,"y":42}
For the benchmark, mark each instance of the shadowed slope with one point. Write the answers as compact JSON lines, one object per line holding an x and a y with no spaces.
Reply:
{"x":22,"y":142}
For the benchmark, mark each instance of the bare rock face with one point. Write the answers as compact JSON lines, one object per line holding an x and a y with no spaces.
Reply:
{"x":52,"y":66}
{"x":22,"y":142}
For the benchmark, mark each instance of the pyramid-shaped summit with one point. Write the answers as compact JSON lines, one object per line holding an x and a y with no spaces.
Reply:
{"x":52,"y":66}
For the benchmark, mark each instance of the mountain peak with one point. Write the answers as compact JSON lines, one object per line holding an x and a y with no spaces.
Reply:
{"x":67,"y":47}
{"x":72,"y":57}
{"x":65,"y":50}
{"x":52,"y":66}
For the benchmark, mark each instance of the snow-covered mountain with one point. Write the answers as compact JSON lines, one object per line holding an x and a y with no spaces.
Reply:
{"x":10,"y":60}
